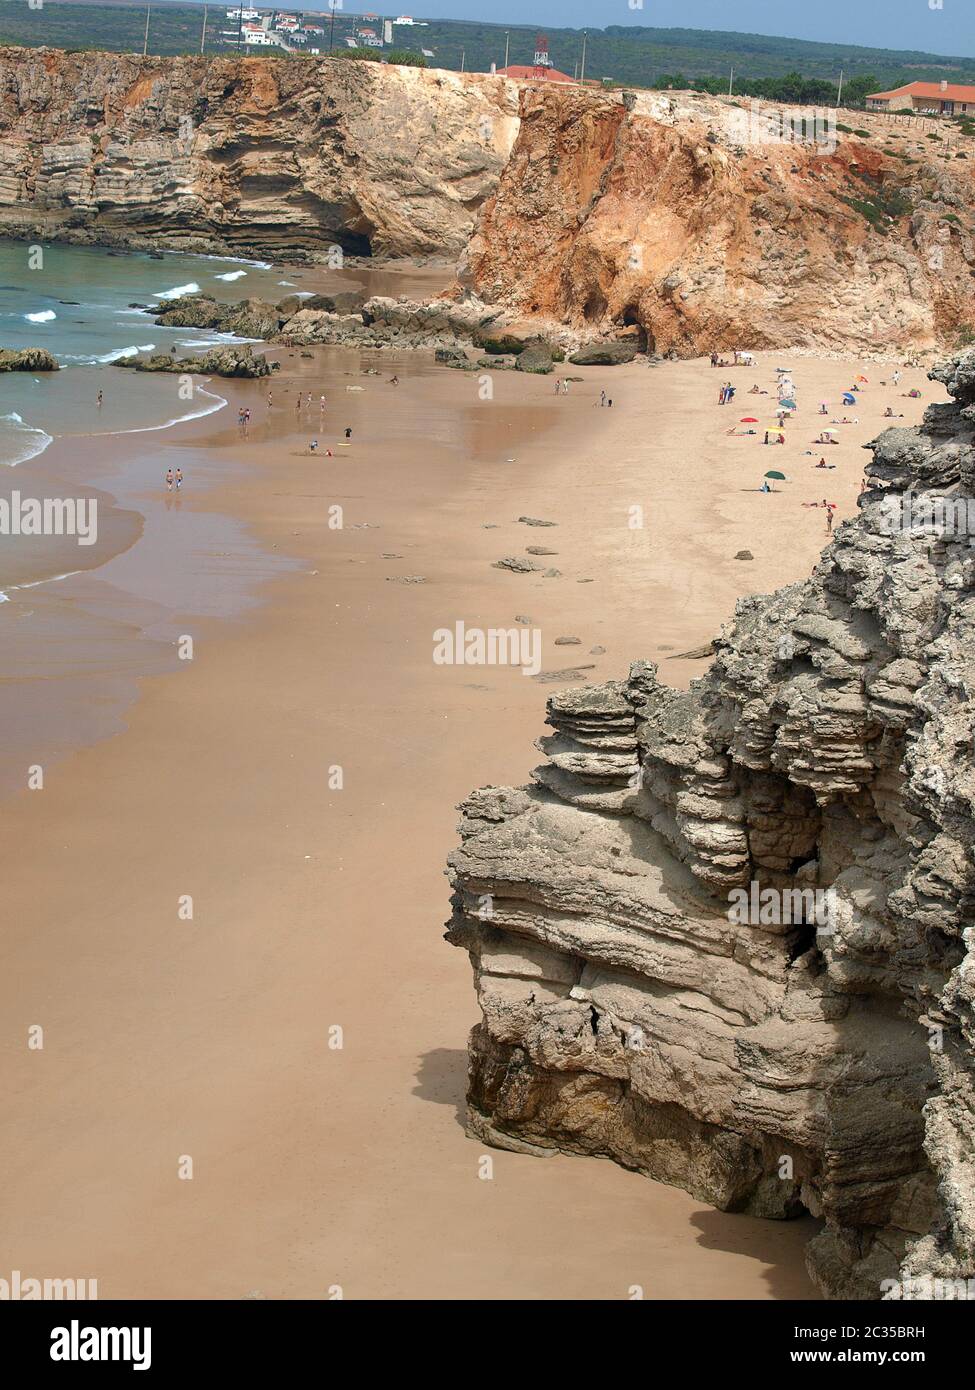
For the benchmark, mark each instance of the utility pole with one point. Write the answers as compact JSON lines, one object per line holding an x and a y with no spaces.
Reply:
{"x":839,"y":92}
{"x":463,"y":58}
{"x":507,"y":40}
{"x":331,"y":27}
{"x":582,"y":73}
{"x":203,"y":37}
{"x":145,"y":41}
{"x":731,"y":83}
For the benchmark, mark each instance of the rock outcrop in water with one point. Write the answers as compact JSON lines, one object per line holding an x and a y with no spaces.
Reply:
{"x":225,"y":361}
{"x":31,"y":359}
{"x":817,"y":1054}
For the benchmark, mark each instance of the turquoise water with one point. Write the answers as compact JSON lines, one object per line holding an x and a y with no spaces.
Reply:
{"x":76,"y":303}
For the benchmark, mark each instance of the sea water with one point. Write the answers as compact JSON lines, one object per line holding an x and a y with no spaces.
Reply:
{"x":77,"y":303}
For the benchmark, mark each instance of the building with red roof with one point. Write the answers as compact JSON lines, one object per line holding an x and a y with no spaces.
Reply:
{"x":540,"y":74}
{"x":938,"y":98}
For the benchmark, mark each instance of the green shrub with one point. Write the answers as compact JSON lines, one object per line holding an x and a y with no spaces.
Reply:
{"x":405,"y":57}
{"x":360,"y":55}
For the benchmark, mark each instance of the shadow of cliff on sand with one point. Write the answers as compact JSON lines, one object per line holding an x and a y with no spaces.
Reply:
{"x":442,"y":1079}
{"x":775,"y":1243}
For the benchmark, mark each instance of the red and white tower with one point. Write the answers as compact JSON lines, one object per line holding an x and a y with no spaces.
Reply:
{"x":542,"y":59}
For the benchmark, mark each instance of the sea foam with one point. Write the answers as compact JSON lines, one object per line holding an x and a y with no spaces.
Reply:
{"x":179,"y":291}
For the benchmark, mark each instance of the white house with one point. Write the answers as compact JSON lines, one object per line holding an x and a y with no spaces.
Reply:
{"x":403,"y":19}
{"x":258,"y":38}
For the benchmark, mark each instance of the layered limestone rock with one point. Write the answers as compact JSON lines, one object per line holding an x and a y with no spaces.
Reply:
{"x":697,"y":223}
{"x":815,"y":1049}
{"x":258,"y":156}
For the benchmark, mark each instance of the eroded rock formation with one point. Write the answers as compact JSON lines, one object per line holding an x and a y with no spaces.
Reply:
{"x":257,"y":156}
{"x":825,"y":1063}
{"x":676,"y":218}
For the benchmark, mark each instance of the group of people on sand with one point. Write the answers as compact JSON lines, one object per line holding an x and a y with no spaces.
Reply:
{"x":562,"y":386}
{"x":727,"y":393}
{"x":174,"y":479}
{"x":739,"y":359}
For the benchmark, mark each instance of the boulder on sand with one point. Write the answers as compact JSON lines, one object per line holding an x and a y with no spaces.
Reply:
{"x":604,"y":355}
{"x":536,"y":359}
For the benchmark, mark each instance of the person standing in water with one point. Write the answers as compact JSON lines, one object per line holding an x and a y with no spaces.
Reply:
{"x":99,"y":398}
{"x":179,"y":479}
{"x":348,"y":434}
{"x":169,"y":480}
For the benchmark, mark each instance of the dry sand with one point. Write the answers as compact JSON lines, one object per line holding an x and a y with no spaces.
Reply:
{"x":315,"y":1167}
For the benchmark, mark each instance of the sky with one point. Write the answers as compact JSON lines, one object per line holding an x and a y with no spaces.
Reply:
{"x":936,"y":26}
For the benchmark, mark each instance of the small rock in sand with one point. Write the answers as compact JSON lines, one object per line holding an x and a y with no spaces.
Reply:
{"x":568,"y":673}
{"x":516,"y":563}
{"x":744,"y":555}
{"x":539,"y":550}
{"x":552,"y":574}
{"x":568,"y":641}
{"x":597,"y":651}
{"x":523,"y":619}
{"x":534,"y":521}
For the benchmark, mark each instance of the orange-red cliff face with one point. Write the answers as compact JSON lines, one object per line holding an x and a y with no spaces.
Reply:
{"x":675,"y":216}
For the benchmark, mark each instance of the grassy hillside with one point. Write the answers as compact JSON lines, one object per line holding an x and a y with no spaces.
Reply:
{"x":637,"y":56}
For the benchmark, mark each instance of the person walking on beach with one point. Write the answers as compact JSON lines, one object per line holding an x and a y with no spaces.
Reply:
{"x":269,"y":400}
{"x":348,"y":433}
{"x":169,"y":480}
{"x":321,"y":405}
{"x":99,"y":398}
{"x":179,"y":479}
{"x":602,"y":398}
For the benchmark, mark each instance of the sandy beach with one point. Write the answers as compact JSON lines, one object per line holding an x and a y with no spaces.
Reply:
{"x":316,"y":908}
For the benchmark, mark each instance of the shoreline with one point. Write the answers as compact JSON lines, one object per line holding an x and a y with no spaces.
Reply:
{"x":314,"y":907}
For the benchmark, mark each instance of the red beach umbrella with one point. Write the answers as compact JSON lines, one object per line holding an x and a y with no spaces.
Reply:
{"x":748,"y":420}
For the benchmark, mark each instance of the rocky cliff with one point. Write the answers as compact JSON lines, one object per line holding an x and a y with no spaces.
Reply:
{"x":696,"y":223}
{"x":256,"y":156}
{"x":685,"y":222}
{"x":813,"y":1050}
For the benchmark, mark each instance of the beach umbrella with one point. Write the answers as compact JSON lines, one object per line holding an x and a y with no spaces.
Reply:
{"x":774,"y":473}
{"x":748,"y":420}
{"x":788,"y":403}
{"x":849,"y":398}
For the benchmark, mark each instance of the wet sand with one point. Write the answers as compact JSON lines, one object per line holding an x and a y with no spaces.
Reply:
{"x":316,"y":1167}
